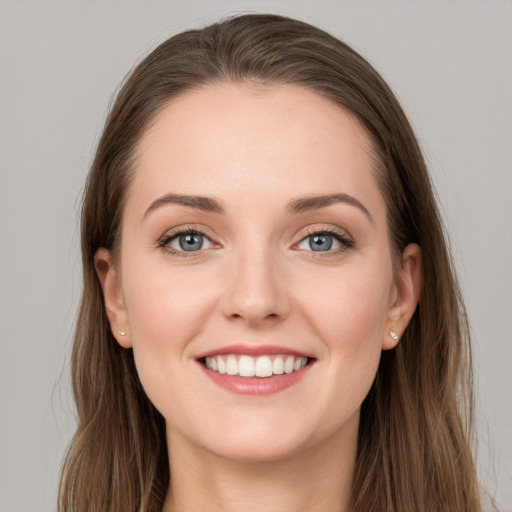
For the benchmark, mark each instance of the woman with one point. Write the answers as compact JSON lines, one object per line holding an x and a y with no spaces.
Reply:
{"x":270,"y":318}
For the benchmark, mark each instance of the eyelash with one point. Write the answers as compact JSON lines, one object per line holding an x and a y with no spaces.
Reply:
{"x":346,"y":242}
{"x":167,"y":238}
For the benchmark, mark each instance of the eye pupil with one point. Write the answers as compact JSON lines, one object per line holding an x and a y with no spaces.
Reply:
{"x":320,"y":242}
{"x":191,"y":242}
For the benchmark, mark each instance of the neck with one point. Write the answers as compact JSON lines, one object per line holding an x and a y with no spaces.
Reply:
{"x":315,"y":480}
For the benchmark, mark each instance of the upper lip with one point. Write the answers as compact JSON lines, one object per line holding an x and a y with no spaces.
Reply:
{"x":253,"y":350}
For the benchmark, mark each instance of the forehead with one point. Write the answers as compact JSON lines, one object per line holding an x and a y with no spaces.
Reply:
{"x":260,"y":142}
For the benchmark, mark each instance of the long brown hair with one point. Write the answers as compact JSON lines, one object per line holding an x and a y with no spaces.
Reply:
{"x":414,"y":448}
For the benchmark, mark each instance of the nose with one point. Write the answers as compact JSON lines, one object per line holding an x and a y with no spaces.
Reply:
{"x":257,"y":292}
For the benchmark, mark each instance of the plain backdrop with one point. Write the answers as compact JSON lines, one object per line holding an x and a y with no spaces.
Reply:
{"x":450,"y":64}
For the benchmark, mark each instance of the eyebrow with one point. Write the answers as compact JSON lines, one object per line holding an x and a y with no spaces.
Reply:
{"x":306,"y":204}
{"x":206,"y":204}
{"x":301,"y":205}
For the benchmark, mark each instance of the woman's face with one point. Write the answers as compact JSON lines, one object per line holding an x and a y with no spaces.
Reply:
{"x":254,"y":241}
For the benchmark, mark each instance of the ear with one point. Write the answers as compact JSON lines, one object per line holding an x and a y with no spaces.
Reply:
{"x":112,"y":293}
{"x":405,"y":296}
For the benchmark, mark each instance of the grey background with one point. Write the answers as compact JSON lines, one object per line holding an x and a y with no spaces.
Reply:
{"x":450,"y":63}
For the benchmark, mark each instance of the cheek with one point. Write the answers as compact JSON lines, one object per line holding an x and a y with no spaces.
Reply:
{"x":166,"y":310}
{"x":349,"y":313}
{"x":349,"y":307}
{"x":164,"y":306}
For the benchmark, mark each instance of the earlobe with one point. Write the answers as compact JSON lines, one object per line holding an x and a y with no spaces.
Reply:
{"x":113,"y":297}
{"x":407,"y":292}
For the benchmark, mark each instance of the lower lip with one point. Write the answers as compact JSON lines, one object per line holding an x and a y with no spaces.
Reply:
{"x":255,"y":385}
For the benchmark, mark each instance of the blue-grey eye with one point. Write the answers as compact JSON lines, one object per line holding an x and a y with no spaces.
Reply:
{"x":320,"y":242}
{"x":189,"y":242}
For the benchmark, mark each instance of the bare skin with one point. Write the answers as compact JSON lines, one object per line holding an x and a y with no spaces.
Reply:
{"x":224,"y":249}
{"x":231,"y":486}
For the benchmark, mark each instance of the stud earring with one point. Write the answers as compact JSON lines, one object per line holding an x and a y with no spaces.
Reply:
{"x":394,"y":335}
{"x":122,"y":333}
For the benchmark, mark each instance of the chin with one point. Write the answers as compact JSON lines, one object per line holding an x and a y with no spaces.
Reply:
{"x":273,"y":437}
{"x":264,"y":448}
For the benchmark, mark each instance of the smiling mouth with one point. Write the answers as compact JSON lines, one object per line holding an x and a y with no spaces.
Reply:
{"x":263,"y":366}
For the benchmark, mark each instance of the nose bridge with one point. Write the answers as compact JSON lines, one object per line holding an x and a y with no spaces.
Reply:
{"x":257,"y":291}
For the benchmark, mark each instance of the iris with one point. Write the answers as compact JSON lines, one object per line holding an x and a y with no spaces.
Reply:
{"x":320,"y":242}
{"x":191,"y":241}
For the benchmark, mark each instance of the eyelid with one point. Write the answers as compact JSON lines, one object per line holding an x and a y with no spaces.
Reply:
{"x":312,"y":230}
{"x":343,"y":236}
{"x":183,"y":230}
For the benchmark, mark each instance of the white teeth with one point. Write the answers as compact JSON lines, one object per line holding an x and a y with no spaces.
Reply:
{"x":246,"y":366}
{"x":278,"y":366}
{"x":289,"y":364}
{"x":232,"y":366}
{"x":262,"y":366}
{"x":221,"y":365}
{"x":296,"y":366}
